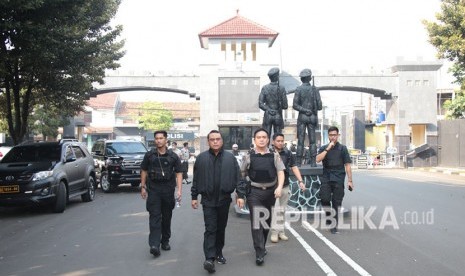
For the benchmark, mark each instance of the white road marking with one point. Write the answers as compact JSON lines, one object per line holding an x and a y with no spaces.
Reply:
{"x":336,"y":250}
{"x":319,"y":261}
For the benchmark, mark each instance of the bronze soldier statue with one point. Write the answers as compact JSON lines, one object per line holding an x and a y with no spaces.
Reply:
{"x":273,"y":100}
{"x":307,"y":101}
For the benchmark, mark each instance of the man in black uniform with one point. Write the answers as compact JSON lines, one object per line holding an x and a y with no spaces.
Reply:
{"x":161,"y":171}
{"x":307,"y":101}
{"x":277,"y":227}
{"x":336,"y":164}
{"x":265,"y":170}
{"x":273,"y":100}
{"x":216,"y":175}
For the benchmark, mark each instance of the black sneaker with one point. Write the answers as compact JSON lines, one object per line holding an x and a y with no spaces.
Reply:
{"x":334,"y":231}
{"x":209,"y":266}
{"x":165,"y":246}
{"x":259,"y":260}
{"x":221,"y":259}
{"x":155,"y":251}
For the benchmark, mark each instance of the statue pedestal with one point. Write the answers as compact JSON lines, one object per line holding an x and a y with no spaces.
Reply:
{"x":308,"y":200}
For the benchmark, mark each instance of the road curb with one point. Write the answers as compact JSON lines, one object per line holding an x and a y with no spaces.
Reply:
{"x":447,"y":171}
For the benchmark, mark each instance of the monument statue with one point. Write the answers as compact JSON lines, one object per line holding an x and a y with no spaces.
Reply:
{"x":273,"y":100}
{"x":307,"y":101}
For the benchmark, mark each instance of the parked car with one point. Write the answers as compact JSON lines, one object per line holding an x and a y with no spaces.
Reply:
{"x":46,"y":173}
{"x":118,"y":162}
{"x":3,"y":151}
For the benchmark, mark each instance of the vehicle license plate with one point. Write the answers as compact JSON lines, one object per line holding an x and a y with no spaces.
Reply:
{"x":136,"y":171}
{"x":9,"y":189}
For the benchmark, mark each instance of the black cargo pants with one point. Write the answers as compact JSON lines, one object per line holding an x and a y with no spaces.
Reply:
{"x":160,"y":205}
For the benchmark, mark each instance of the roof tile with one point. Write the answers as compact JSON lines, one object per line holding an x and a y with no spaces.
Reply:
{"x":239,"y":27}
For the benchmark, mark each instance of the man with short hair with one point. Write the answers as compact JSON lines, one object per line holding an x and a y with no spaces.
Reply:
{"x":216,"y":176}
{"x":161,"y":172}
{"x":277,"y":230}
{"x":336,"y":164}
{"x":174,"y":148}
{"x":235,"y":150}
{"x":185,"y":156}
{"x":265,"y":170}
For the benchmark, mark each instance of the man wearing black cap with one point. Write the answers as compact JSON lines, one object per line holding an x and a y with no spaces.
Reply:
{"x":307,"y":101}
{"x":273,"y":100}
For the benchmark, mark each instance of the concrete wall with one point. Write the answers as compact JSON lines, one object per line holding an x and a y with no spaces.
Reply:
{"x":451,"y":143}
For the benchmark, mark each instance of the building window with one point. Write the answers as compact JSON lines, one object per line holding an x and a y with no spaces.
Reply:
{"x":244,"y":50}
{"x":235,"y":96}
{"x":233,"y":49}
{"x":223,"y":48}
{"x":254,"y":51}
{"x":425,"y":82}
{"x":222,"y":82}
{"x":409,"y":83}
{"x":240,"y":135}
{"x":417,"y":83}
{"x":256,"y":82}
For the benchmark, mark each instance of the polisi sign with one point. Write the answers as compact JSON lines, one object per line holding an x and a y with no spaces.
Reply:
{"x":177,"y":136}
{"x":174,"y":136}
{"x":185,"y":136}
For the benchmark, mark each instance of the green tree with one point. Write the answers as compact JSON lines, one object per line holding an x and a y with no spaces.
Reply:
{"x":456,"y":107}
{"x":46,"y":121}
{"x":51,"y":51}
{"x":153,"y":116}
{"x":447,"y":34}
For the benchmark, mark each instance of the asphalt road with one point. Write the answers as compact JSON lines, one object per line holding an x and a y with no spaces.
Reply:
{"x":422,"y":215}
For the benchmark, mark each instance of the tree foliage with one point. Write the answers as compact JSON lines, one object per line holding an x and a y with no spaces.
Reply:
{"x":46,"y":122}
{"x":153,"y":116}
{"x":447,"y":34}
{"x":456,"y":107}
{"x":51,"y":51}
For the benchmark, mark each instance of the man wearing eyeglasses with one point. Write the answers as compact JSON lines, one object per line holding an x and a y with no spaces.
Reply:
{"x":336,"y":164}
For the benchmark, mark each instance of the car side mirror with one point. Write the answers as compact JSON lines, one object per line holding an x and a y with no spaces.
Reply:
{"x":97,"y":152}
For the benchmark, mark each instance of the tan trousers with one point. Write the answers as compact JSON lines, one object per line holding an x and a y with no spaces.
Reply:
{"x":277,"y":225}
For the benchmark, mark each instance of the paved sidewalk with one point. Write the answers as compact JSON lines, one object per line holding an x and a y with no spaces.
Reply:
{"x":445,"y":170}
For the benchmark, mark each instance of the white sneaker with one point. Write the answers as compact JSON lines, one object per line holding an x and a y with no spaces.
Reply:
{"x":274,"y":237}
{"x":283,"y":236}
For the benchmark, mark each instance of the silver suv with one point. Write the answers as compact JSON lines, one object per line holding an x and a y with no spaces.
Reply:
{"x":118,"y":162}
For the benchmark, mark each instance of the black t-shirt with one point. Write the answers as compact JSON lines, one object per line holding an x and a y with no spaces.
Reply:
{"x":167,"y":164}
{"x":289,"y":161}
{"x":336,"y":174}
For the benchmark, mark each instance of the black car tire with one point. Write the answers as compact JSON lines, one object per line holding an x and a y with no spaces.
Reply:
{"x":90,"y":193}
{"x":59,"y":205}
{"x":107,"y":187}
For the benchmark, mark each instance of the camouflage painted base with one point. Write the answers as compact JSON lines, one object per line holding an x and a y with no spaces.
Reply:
{"x":308,"y":200}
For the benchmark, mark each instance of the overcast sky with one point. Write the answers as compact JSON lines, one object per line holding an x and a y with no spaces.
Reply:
{"x":319,"y":34}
